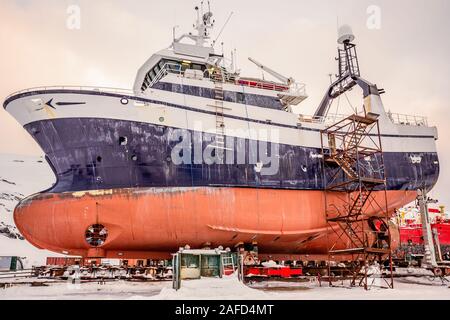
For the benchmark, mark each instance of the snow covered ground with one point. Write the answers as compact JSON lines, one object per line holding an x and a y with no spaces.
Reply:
{"x":20,"y":177}
{"x":229,"y":288}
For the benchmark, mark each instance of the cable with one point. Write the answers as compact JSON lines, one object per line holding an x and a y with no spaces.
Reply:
{"x":223,"y":28}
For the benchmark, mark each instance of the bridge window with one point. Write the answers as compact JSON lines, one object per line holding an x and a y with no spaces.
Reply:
{"x":172,"y":66}
{"x":151,"y":75}
{"x":198,"y":67}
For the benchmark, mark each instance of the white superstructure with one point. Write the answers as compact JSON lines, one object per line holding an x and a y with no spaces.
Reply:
{"x":178,"y":87}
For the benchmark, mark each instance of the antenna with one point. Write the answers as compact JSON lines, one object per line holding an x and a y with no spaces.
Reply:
{"x":233,"y":68}
{"x":337,"y":24}
{"x":198,"y":15}
{"x":202,"y":26}
{"x":236,"y":68}
{"x":174,"y":28}
{"x":223,"y":28}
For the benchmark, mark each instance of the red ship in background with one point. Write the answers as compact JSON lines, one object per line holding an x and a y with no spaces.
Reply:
{"x":410,"y":225}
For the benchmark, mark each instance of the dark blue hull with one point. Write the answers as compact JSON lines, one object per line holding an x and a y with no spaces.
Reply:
{"x":87,"y":154}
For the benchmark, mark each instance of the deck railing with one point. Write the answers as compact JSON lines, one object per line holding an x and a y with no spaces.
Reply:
{"x":75,"y":88}
{"x":293,"y":89}
{"x":408,"y":120}
{"x":396,"y":118}
{"x":329,"y":119}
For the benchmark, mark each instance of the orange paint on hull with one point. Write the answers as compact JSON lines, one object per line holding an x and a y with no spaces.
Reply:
{"x":152,"y":223}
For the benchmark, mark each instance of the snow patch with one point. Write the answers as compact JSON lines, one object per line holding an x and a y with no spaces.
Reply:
{"x":226,"y":288}
{"x":21,"y":176}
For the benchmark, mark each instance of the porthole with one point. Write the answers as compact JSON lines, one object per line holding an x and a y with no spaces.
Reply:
{"x":96,"y":235}
{"x":124,"y":101}
{"x":123,"y":141}
{"x":161,"y":119}
{"x":134,"y":158}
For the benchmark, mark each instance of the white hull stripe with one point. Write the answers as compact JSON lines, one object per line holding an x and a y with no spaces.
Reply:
{"x":141,"y":99}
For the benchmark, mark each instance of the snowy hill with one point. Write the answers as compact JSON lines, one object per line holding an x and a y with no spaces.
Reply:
{"x":20,"y":177}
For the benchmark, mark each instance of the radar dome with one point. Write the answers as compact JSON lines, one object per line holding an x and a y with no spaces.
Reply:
{"x":345,"y":34}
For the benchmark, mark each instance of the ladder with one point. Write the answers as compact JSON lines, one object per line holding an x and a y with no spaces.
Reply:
{"x":218,"y":80}
{"x":228,"y":263}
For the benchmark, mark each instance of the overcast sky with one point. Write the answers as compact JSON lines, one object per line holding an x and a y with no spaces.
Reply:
{"x":408,"y":55}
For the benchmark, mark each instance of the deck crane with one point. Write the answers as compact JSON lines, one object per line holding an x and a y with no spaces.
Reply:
{"x":280,"y":77}
{"x":292,"y":97}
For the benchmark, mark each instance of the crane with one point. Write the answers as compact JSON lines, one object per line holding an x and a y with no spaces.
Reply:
{"x":280,"y":77}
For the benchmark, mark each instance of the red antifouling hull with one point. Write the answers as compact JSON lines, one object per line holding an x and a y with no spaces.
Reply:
{"x":152,"y":223}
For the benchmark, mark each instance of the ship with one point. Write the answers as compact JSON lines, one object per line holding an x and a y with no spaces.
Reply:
{"x":197,"y":154}
{"x":411,"y":230}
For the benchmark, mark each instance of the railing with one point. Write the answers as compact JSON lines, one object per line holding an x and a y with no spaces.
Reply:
{"x":328,"y":119}
{"x":177,"y":69}
{"x":408,"y":120}
{"x":75,"y":88}
{"x":298,"y":89}
{"x":295,"y":89}
{"x":24,"y":273}
{"x":403,"y":119}
{"x":222,"y":74}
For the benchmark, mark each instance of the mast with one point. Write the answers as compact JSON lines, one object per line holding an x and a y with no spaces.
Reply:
{"x":349,"y":76}
{"x":202,"y":26}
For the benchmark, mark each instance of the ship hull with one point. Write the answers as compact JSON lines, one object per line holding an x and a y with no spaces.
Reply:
{"x":114,"y":162}
{"x":154,"y":222}
{"x":86,"y":154}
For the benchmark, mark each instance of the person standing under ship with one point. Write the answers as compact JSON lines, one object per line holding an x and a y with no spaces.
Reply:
{"x":446,"y":255}
{"x":409,"y":252}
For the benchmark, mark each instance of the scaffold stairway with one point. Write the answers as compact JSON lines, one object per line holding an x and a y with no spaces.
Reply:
{"x":350,"y":143}
{"x":346,"y":167}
